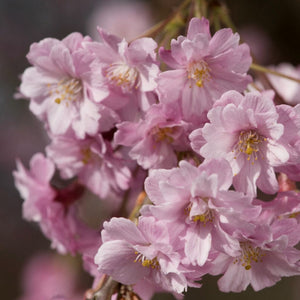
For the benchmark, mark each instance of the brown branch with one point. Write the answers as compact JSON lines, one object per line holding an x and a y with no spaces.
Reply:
{"x":104,"y":291}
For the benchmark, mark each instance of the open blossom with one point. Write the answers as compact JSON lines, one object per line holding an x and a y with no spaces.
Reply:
{"x":197,"y":200}
{"x":154,"y":140}
{"x":52,"y":208}
{"x":203,"y":68}
{"x":123,"y":75}
{"x":93,"y":161}
{"x":176,"y":140}
{"x":245,"y":131}
{"x":58,"y":88}
{"x":131,"y":254}
{"x":263,"y":258}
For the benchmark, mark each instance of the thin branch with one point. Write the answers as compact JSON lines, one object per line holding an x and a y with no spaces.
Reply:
{"x":157,"y":28}
{"x":262,"y":69}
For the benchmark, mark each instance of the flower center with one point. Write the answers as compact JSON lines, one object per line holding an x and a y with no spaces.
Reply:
{"x":249,"y":255}
{"x":150,"y":263}
{"x":88,"y":156}
{"x":67,"y":90}
{"x":163,"y":134}
{"x":249,"y":143}
{"x":207,"y":217}
{"x":123,"y":76}
{"x":199,"y":72}
{"x":204,"y":218}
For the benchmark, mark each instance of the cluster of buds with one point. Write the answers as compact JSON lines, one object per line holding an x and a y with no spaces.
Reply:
{"x":174,"y":145}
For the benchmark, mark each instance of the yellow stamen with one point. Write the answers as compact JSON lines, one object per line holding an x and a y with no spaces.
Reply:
{"x":199,"y":72}
{"x":67,"y":90}
{"x":249,"y":255}
{"x":150,"y":263}
{"x":86,"y":155}
{"x":206,"y":217}
{"x":122,"y":75}
{"x":249,"y":143}
{"x":163,"y":134}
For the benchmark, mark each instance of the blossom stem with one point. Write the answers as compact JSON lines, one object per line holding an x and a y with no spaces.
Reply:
{"x":140,"y":201}
{"x":262,"y":69}
{"x":200,"y":8}
{"x":104,"y":291}
{"x":157,"y":28}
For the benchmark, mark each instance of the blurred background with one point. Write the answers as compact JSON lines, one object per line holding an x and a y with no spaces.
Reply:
{"x":271,"y":27}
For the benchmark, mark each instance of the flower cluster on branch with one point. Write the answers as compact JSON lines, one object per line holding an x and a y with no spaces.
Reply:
{"x":184,"y":131}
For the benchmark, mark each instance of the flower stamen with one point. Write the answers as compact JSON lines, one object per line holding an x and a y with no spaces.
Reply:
{"x":163,"y":134}
{"x":123,"y":76}
{"x":199,"y":72}
{"x":67,"y":90}
{"x":249,"y":143}
{"x":249,"y":255}
{"x":150,"y":263}
{"x":206,"y":217}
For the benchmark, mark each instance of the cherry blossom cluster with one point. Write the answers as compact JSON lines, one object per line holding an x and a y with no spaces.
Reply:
{"x":181,"y":128}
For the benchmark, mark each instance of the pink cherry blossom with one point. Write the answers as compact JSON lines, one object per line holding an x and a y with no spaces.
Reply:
{"x":57,"y":85}
{"x":197,"y":200}
{"x":203,"y":68}
{"x":131,"y":254}
{"x":51,"y":208}
{"x":93,"y":161}
{"x":123,"y":75}
{"x":245,"y":130}
{"x":155,"y":140}
{"x":263,"y":258}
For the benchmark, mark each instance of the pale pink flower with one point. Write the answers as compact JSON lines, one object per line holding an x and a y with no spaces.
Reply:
{"x":131,"y":254}
{"x":263,"y":258}
{"x":57,"y":85}
{"x":34,"y":185}
{"x":53,"y":209}
{"x":197,"y":201}
{"x":93,"y":161}
{"x":203,"y":68}
{"x":245,"y":131}
{"x":155,"y":140}
{"x":124,"y":75}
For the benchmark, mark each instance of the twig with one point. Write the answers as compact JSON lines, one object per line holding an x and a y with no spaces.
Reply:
{"x":262,"y":69}
{"x":157,"y":28}
{"x":106,"y":288}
